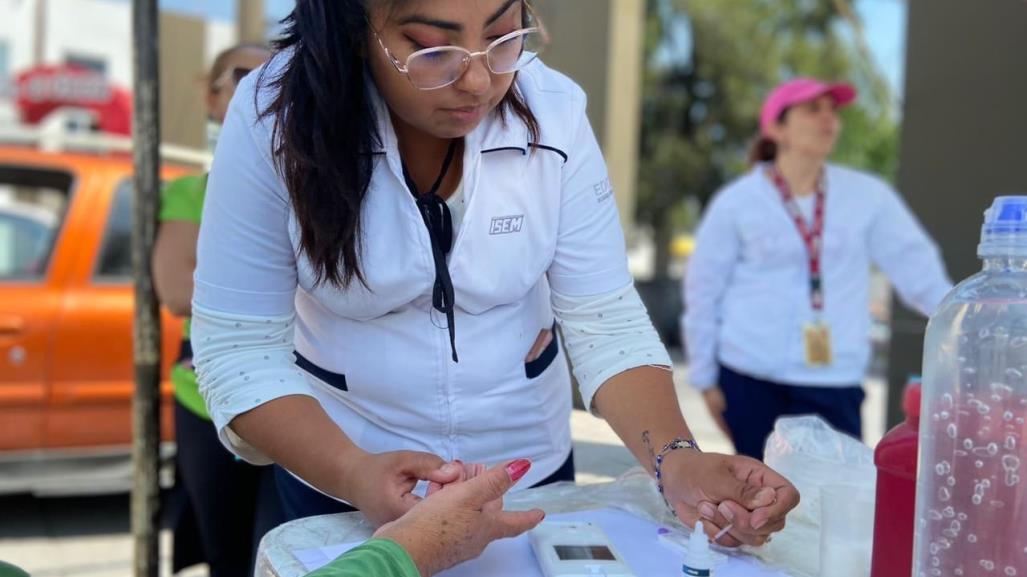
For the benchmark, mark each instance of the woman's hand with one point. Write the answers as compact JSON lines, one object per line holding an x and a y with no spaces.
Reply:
{"x":724,"y":490}
{"x":717,"y":404}
{"x":458,"y":521}
{"x":466,"y":471}
{"x":381,"y":485}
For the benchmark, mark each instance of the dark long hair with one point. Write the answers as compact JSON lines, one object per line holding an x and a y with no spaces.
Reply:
{"x":326,"y":130}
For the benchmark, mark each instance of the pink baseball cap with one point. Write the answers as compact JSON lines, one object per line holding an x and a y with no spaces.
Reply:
{"x":798,"y":91}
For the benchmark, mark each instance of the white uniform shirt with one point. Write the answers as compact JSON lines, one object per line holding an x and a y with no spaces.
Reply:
{"x":747,"y":285}
{"x":538,"y":218}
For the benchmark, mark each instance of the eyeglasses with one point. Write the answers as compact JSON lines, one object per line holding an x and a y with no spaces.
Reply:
{"x":438,"y":67}
{"x":235,"y":75}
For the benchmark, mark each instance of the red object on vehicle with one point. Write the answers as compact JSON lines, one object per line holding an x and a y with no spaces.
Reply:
{"x":43,"y":89}
{"x":896,"y":460}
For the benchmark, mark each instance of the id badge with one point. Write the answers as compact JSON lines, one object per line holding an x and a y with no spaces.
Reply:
{"x":817,"y":338}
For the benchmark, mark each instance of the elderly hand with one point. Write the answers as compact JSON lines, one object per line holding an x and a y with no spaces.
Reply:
{"x":727,"y":490}
{"x":459,"y":520}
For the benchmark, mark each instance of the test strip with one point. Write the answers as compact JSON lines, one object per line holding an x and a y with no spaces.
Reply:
{"x":722,"y":532}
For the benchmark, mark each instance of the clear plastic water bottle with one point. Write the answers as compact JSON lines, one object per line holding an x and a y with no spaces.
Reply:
{"x":971,"y":512}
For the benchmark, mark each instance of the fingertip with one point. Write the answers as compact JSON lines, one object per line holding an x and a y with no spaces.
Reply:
{"x":707,"y":510}
{"x":759,"y":519}
{"x":517,"y":469}
{"x":538,"y":517}
{"x":765,"y":496}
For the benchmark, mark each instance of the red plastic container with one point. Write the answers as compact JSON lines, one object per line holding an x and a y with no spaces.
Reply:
{"x":896,"y":460}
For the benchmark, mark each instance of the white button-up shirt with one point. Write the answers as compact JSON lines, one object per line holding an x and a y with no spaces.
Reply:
{"x":540,"y":219}
{"x":747,"y":289}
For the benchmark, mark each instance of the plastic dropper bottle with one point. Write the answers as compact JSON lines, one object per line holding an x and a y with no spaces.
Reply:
{"x":699,"y":559}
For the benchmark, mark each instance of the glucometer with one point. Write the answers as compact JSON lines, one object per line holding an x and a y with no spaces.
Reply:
{"x":573,"y":549}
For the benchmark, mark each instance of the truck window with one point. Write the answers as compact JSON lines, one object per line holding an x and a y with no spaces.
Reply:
{"x":116,"y":252}
{"x":33,"y":203}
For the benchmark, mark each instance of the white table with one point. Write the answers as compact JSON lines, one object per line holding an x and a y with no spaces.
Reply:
{"x":633,"y":492}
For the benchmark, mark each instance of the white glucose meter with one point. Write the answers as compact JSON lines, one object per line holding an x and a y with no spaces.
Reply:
{"x":573,"y":549}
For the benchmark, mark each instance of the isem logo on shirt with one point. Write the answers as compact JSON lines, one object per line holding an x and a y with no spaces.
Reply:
{"x":506,"y":224}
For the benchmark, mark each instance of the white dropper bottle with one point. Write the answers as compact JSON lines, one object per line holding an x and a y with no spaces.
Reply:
{"x":699,"y":559}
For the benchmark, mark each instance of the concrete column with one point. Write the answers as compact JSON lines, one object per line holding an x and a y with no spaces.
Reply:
{"x":598,"y":43}
{"x":624,"y":101}
{"x":251,"y":21}
{"x":183,"y":111}
{"x":963,"y":139}
{"x":39,"y":41}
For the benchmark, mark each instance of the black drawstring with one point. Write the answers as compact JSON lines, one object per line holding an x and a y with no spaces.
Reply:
{"x":439,"y":222}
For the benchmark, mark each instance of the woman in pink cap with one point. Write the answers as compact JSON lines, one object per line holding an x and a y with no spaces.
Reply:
{"x":776,"y":293}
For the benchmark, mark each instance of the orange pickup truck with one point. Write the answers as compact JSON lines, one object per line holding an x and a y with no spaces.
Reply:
{"x":66,"y":368}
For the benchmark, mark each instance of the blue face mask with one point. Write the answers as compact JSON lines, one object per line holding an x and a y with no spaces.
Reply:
{"x":213,"y":132}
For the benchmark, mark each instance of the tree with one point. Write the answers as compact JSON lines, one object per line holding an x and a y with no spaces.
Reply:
{"x":702,"y":101}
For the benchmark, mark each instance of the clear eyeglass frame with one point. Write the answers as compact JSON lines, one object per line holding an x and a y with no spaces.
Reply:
{"x":524,"y":58}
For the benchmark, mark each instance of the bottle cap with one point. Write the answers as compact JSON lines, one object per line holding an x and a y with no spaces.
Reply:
{"x":1004,"y":232}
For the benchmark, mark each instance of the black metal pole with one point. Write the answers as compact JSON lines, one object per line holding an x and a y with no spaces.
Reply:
{"x":146,"y":331}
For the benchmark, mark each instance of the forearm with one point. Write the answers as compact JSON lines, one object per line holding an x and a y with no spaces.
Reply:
{"x":174,"y":260}
{"x":295,"y":432}
{"x":639,"y":401}
{"x":176,"y":294}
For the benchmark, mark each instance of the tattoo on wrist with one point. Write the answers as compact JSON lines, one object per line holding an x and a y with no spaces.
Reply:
{"x":657,"y":458}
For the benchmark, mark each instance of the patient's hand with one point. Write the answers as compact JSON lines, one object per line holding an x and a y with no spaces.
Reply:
{"x":461,"y":519}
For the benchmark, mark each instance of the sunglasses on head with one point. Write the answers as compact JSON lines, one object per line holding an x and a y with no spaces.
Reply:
{"x":233,"y":75}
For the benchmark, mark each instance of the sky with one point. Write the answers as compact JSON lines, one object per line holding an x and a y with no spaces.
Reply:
{"x":885,"y":29}
{"x":884,"y":23}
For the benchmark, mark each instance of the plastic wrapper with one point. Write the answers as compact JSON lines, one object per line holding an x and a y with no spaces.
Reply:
{"x":811,"y":454}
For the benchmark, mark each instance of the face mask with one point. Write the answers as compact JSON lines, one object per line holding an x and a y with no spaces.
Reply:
{"x":213,"y":132}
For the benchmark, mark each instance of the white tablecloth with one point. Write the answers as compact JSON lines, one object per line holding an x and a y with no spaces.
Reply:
{"x":634,"y":492}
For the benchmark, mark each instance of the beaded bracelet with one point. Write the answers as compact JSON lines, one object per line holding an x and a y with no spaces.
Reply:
{"x":677,"y":443}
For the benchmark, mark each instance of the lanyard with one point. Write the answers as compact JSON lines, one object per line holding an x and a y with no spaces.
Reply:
{"x":812,"y":237}
{"x":437,"y":219}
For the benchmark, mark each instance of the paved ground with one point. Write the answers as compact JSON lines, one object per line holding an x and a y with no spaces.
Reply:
{"x":89,"y":537}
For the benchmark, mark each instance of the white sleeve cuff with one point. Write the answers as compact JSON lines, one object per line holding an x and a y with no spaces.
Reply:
{"x":242,"y":362}
{"x":607,"y":334}
{"x":702,"y":379}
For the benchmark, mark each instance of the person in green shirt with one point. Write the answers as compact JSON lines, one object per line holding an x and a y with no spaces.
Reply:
{"x":233,"y":503}
{"x":450,"y":526}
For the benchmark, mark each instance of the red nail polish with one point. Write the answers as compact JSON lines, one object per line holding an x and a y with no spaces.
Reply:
{"x":517,"y":469}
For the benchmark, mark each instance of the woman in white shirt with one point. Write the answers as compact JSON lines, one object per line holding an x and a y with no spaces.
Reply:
{"x":402,"y":203}
{"x":776,"y":293}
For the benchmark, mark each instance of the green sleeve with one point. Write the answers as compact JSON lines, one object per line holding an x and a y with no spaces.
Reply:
{"x":182,"y":199}
{"x":377,"y":557}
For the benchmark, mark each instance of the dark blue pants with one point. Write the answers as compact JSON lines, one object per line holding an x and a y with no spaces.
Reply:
{"x":299,"y":500}
{"x":753,"y":405}
{"x":234,"y":503}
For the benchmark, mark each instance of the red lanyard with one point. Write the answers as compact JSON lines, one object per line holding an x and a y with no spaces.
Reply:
{"x":811,"y":237}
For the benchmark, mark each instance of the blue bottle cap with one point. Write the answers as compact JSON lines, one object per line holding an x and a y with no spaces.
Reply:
{"x":1004,"y":232}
